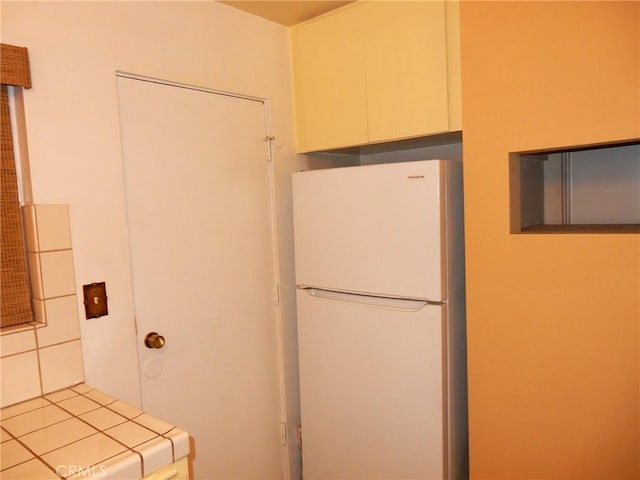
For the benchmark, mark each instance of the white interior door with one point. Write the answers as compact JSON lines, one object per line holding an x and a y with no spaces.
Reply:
{"x":200,"y":226}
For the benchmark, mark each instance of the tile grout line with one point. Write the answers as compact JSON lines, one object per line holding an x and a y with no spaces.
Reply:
{"x":107,"y":406}
{"x":132,"y":420}
{"x":127,"y":419}
{"x":17,"y":439}
{"x":73,"y":415}
{"x":37,"y":348}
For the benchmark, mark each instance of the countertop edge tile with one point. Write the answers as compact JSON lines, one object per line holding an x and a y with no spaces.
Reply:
{"x":124,"y":466}
{"x":157,"y":453}
{"x":180,"y":440}
{"x":119,"y":458}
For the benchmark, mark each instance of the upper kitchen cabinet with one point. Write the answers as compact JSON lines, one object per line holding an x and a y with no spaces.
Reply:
{"x":373,"y":72}
{"x":329,"y":68}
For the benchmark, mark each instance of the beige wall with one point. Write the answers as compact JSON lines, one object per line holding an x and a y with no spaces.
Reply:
{"x":553,"y":320}
{"x":74,"y":140}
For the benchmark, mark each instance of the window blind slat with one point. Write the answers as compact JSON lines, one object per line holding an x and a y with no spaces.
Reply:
{"x":15,"y":292}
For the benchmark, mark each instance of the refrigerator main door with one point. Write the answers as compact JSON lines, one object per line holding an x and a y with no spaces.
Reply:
{"x":371,"y":380}
{"x":372,"y":229}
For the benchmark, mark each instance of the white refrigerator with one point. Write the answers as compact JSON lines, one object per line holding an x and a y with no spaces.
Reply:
{"x":381,"y":324}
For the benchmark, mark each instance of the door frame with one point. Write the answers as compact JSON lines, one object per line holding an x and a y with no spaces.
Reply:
{"x":275,"y":256}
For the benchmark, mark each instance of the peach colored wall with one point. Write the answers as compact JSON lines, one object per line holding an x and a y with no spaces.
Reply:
{"x":553,"y":320}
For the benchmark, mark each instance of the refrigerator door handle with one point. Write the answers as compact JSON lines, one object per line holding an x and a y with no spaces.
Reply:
{"x":388,"y":303}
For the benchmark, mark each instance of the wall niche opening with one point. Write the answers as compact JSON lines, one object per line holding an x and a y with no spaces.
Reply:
{"x":587,"y":189}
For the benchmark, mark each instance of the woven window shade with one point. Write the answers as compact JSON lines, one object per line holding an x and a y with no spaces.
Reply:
{"x":14,"y":66}
{"x":15,"y":291}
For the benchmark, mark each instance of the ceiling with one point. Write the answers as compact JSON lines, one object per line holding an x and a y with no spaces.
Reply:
{"x":286,"y":12}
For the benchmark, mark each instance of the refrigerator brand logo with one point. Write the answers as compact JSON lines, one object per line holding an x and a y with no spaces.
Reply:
{"x":415,"y":177}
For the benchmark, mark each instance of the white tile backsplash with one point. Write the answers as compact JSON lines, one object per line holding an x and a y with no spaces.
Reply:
{"x":34,"y":275}
{"x":61,"y":366}
{"x":30,"y":233}
{"x":47,"y":355}
{"x":62,"y":321}
{"x":58,"y":277}
{"x":46,"y":227}
{"x":20,"y":378}
{"x":17,"y":342}
{"x":53,"y":229}
{"x":39,"y":310}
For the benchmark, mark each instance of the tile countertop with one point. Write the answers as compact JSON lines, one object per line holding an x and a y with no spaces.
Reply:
{"x":83,"y":433}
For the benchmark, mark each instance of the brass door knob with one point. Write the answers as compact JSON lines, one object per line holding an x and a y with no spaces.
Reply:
{"x":154,"y":340}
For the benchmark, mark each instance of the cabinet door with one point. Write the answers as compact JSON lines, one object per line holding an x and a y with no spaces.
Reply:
{"x":330,"y":81}
{"x":406,"y":65}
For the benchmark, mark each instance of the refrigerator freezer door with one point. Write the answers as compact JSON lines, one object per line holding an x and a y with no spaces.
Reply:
{"x":371,"y":390}
{"x":375,"y":229}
